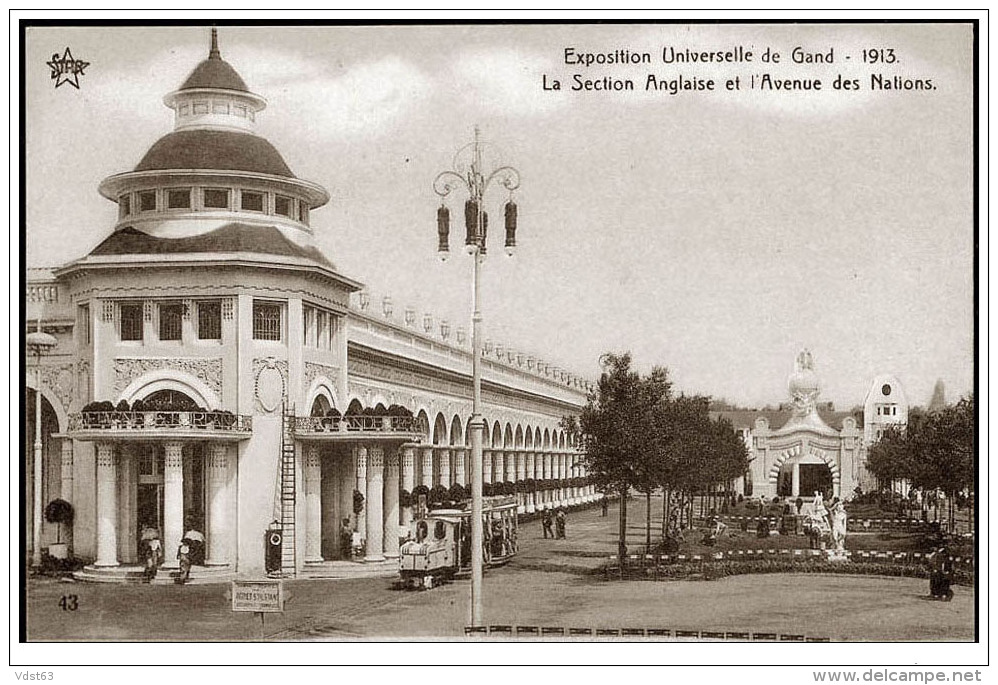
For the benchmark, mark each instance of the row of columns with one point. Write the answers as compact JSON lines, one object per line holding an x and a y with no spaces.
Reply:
{"x":217,"y":500}
{"x":379,"y":476}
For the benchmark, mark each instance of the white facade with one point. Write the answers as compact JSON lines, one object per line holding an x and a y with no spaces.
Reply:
{"x":209,"y":293}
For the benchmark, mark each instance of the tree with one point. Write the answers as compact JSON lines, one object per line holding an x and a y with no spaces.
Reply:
{"x":615,"y":429}
{"x":934,"y":451}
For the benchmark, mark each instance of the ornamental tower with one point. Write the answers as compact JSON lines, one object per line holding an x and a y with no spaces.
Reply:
{"x":213,"y":184}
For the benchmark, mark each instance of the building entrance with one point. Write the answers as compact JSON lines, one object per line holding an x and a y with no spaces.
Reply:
{"x":149,"y":496}
{"x":816,"y":478}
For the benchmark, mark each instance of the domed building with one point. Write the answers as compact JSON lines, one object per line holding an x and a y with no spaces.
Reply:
{"x":804,"y":454}
{"x":216,"y":378}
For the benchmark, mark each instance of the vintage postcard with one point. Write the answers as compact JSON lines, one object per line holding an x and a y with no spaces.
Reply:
{"x":651,"y":336}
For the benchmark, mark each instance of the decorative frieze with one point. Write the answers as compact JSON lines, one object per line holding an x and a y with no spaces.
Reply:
{"x":315,"y":370}
{"x":60,"y":381}
{"x":208,"y":370}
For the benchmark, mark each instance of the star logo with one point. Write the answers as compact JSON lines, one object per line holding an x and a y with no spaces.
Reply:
{"x":65,"y":69}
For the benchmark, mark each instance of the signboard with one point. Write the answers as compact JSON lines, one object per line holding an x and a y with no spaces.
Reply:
{"x":258,"y":595}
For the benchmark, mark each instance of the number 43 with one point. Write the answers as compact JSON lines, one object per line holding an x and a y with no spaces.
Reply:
{"x":69,"y":603}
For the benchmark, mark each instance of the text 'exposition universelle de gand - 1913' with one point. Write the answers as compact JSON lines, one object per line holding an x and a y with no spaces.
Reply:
{"x":737,"y":68}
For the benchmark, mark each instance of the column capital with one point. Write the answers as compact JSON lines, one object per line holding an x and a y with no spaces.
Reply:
{"x":408,"y":457}
{"x":218,"y":461}
{"x":375,"y":461}
{"x":106,"y":456}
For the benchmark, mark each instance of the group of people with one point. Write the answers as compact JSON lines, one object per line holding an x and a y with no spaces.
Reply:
{"x":189,"y":552}
{"x":557,"y":520}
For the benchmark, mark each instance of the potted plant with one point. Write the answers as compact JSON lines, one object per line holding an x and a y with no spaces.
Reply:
{"x":60,"y":512}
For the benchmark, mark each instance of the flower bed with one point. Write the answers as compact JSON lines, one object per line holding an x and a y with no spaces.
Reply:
{"x":712,"y":569}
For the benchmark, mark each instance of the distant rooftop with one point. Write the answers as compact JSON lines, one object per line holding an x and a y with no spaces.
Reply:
{"x":745,"y":418}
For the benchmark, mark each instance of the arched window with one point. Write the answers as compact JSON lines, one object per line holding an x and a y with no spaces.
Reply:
{"x":320,"y":407}
{"x":169,"y":400}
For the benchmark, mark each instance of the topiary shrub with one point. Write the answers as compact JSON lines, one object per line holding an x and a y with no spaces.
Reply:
{"x":438,"y":495}
{"x":405,"y":498}
{"x":60,"y":512}
{"x":457,"y":493}
{"x":358,"y":501}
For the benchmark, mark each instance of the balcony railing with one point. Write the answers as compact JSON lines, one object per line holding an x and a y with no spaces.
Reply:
{"x":356,"y":424}
{"x":158,"y":421}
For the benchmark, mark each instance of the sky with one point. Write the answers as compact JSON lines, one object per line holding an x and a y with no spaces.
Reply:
{"x":715,"y":233}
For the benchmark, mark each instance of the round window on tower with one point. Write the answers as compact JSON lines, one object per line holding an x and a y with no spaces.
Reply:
{"x":886,"y":390}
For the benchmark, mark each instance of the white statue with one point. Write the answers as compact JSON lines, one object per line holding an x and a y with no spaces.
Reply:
{"x":817,"y":523}
{"x":839,"y":519}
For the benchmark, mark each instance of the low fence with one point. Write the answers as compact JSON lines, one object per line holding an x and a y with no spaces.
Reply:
{"x":899,"y":525}
{"x":533,"y":632}
{"x":654,"y":561}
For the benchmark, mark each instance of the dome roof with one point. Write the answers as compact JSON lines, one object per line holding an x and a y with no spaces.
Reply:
{"x":216,"y":150}
{"x":233,"y":237}
{"x":804,"y":382}
{"x":215,"y":73}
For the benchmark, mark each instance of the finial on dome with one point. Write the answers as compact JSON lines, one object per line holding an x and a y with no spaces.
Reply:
{"x":213,"y":53}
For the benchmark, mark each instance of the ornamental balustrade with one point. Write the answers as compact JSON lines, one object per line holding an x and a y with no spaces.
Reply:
{"x":356,"y":424}
{"x":139,"y":421}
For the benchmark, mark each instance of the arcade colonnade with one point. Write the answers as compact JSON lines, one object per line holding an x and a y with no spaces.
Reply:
{"x":387,"y":475}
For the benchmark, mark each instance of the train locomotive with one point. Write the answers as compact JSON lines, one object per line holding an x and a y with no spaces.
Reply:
{"x":439,"y":547}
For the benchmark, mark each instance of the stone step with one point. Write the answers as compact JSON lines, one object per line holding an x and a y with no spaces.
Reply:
{"x":200,"y":575}
{"x":351,"y":569}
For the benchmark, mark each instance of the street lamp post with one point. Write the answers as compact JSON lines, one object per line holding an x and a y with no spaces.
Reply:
{"x":38,"y":342}
{"x":471,"y":176}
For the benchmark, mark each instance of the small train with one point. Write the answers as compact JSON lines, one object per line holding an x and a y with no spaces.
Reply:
{"x":440,"y":545}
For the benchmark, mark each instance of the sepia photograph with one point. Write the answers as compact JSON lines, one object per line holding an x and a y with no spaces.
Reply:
{"x":706,"y":389}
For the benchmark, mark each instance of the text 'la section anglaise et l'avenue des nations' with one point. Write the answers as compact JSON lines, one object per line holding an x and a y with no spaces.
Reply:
{"x":739,"y":55}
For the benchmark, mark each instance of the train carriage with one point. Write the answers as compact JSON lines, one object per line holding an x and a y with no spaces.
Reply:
{"x":439,"y":547}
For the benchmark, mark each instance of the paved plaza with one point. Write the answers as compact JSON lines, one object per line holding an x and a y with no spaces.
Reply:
{"x":549,"y":584}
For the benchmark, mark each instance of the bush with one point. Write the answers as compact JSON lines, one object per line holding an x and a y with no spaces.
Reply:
{"x":405,"y":498}
{"x":358,"y":501}
{"x":122,"y":406}
{"x":457,"y":493}
{"x":438,"y":495}
{"x":59,"y":511}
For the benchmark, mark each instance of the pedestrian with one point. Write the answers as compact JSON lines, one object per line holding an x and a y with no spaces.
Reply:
{"x":546,"y":523}
{"x":346,"y":539}
{"x":604,"y":505}
{"x":560,"y":521}
{"x":153,"y":552}
{"x":184,"y":555}
{"x":941,"y":574}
